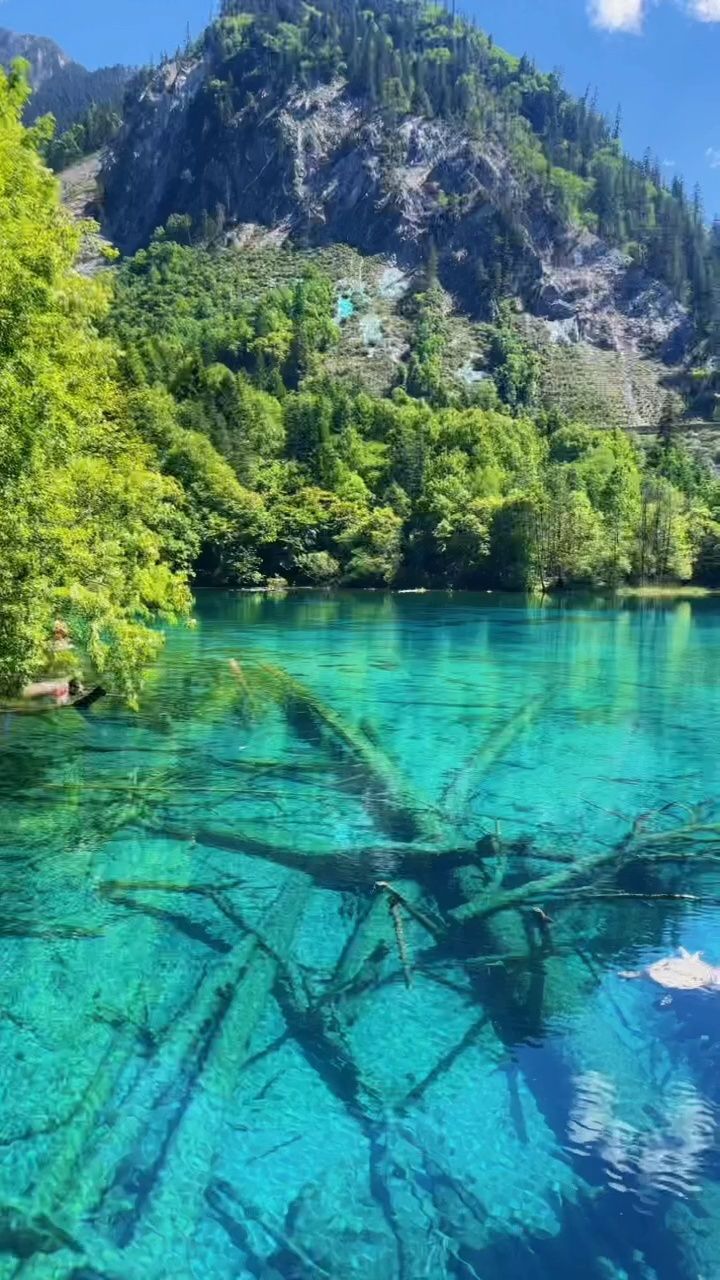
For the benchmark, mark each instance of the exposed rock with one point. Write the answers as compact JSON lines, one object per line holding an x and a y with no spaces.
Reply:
{"x":45,"y":57}
{"x":320,"y":167}
{"x":566,"y":332}
{"x":611,"y":303}
{"x":317,"y":165}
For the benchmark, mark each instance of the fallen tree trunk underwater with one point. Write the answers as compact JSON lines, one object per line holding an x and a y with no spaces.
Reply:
{"x":123,"y":1192}
{"x":390,"y":798}
{"x":198,"y":1065}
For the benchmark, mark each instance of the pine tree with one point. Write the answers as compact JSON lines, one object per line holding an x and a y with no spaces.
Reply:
{"x":667,"y":422}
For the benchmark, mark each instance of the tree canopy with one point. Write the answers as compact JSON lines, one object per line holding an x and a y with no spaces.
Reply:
{"x":412,"y":58}
{"x":89,"y":527}
{"x":176,"y":422}
{"x":434,"y":484}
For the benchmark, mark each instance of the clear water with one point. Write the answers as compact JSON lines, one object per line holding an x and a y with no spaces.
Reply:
{"x":211,"y":1062}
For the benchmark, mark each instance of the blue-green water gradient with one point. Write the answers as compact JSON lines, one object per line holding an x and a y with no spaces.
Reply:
{"x":225,"y":1053}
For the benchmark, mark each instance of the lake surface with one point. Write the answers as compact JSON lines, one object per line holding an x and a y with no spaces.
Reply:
{"x":225,"y":1053}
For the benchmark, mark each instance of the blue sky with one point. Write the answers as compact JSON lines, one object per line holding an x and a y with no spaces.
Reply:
{"x":659,"y":58}
{"x":98,"y":34}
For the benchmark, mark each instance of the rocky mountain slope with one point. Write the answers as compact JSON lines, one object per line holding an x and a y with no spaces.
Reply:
{"x":45,"y":57}
{"x":61,"y":85}
{"x":318,"y":169}
{"x":286,"y":125}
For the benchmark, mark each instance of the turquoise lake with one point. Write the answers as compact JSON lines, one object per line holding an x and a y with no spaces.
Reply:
{"x":225,"y":1052}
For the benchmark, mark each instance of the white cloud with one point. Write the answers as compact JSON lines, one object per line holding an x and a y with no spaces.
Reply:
{"x":622,"y":15}
{"x":705,"y":10}
{"x":712,"y":155}
{"x":628,"y":15}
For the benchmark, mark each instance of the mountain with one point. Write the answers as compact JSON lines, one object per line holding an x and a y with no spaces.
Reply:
{"x":45,"y":57}
{"x":399,"y":278}
{"x":405,"y":133}
{"x":62,"y":86}
{"x":381,"y":282}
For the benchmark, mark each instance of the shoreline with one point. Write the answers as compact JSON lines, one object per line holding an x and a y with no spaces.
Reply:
{"x":667,"y":593}
{"x":660,"y":592}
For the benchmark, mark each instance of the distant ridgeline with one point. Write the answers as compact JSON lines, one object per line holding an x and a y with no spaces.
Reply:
{"x":86,"y":105}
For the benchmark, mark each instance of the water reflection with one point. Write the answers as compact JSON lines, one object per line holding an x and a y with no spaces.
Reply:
{"x":668,"y":1155}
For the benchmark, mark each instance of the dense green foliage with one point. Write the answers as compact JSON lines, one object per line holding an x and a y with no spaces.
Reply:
{"x":408,"y":57}
{"x":93,"y":130}
{"x":430,"y":485}
{"x":189,"y":425}
{"x":72,"y":91}
{"x":89,"y":527}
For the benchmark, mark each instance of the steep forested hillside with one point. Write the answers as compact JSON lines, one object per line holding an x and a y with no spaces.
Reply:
{"x":376,"y":451}
{"x":249,"y":399}
{"x":389,"y":125}
{"x":437,"y":483}
{"x":69,"y":94}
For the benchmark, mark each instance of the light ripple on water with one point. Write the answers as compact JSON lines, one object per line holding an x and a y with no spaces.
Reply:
{"x":666,"y":1156}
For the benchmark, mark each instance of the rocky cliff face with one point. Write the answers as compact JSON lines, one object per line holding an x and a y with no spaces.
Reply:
{"x":322,"y":167}
{"x":325,"y":166}
{"x":45,"y":57}
{"x":590,"y":293}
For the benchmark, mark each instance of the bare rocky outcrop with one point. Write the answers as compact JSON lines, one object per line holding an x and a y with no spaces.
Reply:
{"x":590,"y":293}
{"x":45,"y":57}
{"x":319,"y":166}
{"x":330,"y":169}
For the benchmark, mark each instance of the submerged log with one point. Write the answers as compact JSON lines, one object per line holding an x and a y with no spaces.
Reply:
{"x":48,"y":1202}
{"x":244,"y":983}
{"x":459,"y":794}
{"x":402,"y":945}
{"x":198,"y":1061}
{"x":432,"y":923}
{"x":369,"y":941}
{"x":226,"y":1204}
{"x":330,"y":866}
{"x":389,"y":795}
{"x":652,"y":847}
